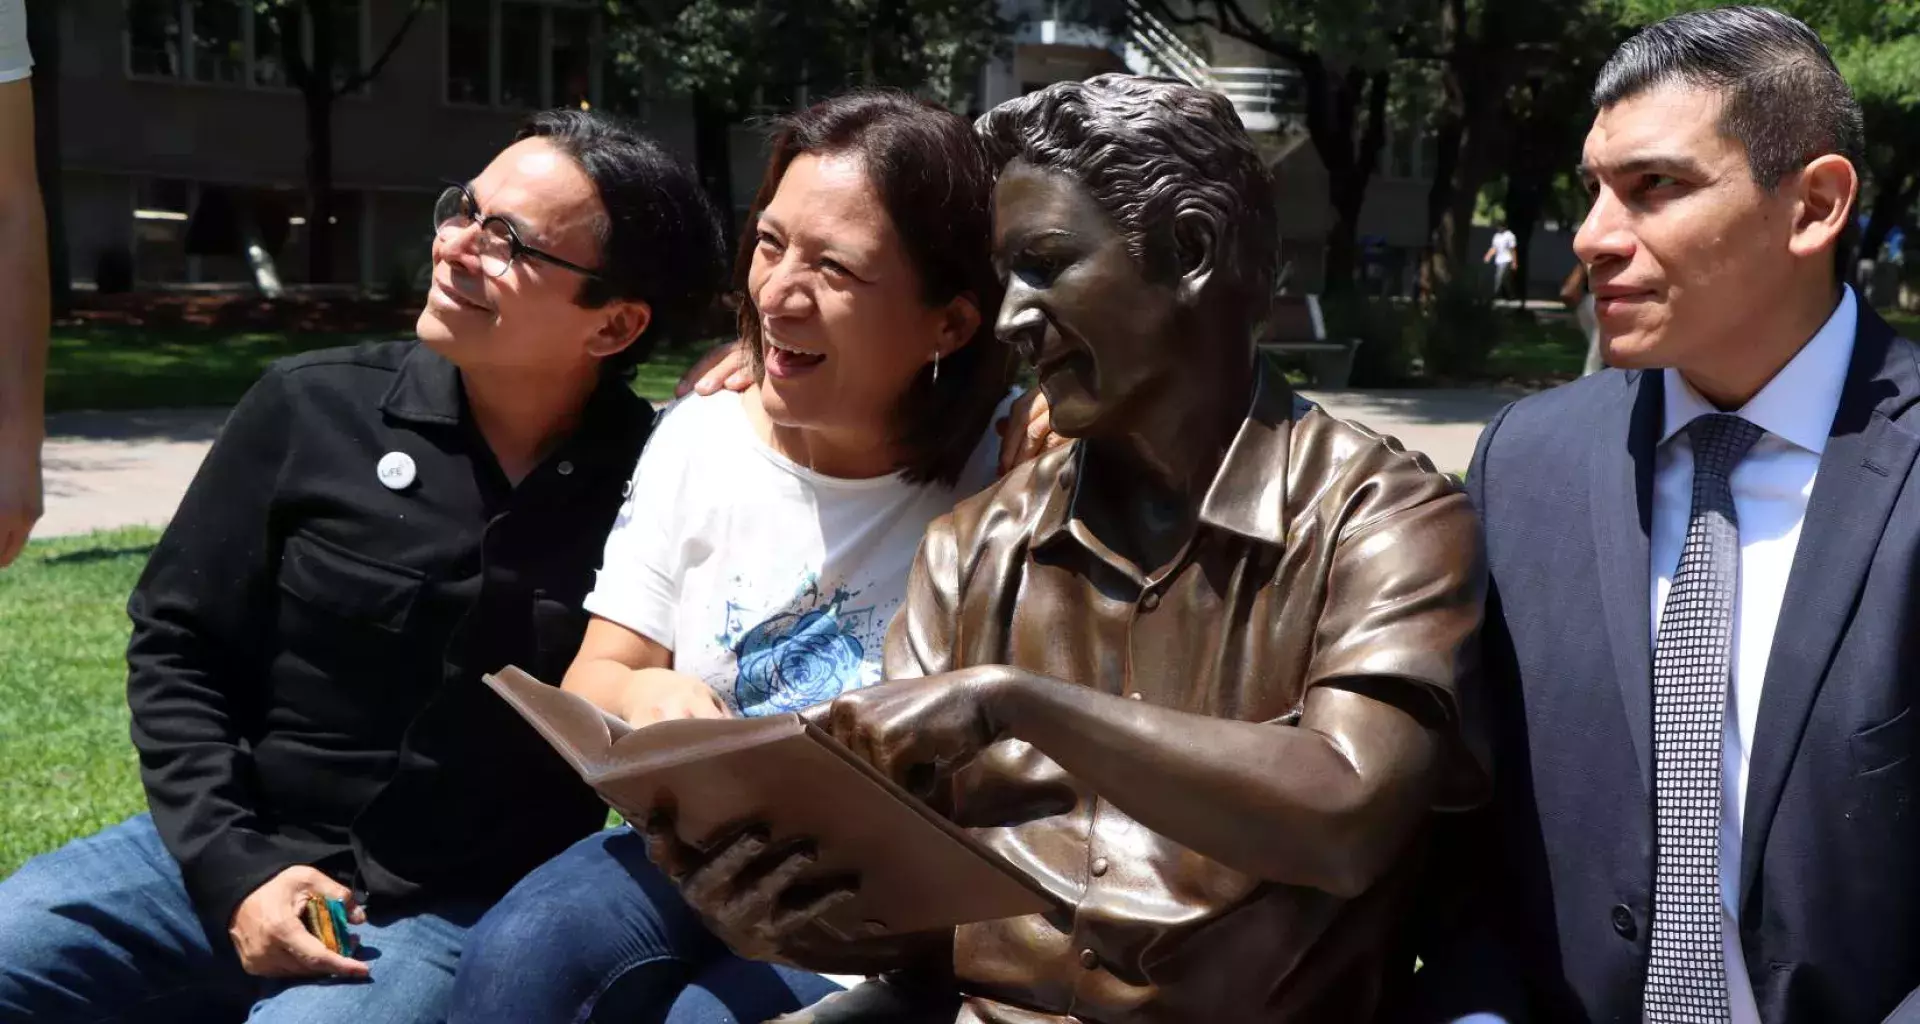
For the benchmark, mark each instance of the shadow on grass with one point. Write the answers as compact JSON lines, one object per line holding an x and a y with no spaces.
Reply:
{"x":86,"y":556}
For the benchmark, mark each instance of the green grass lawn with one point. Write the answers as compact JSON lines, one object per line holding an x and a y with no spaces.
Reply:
{"x":112,"y":366}
{"x":1538,"y":351}
{"x":67,"y":767}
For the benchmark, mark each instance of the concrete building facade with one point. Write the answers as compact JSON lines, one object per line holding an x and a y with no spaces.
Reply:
{"x":175,"y":115}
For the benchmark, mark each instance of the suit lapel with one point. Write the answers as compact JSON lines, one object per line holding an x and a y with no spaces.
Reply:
{"x":1622,"y":509}
{"x":1861,"y":474}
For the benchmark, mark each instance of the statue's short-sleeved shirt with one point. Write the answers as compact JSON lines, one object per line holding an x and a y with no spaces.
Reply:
{"x":1324,"y":552}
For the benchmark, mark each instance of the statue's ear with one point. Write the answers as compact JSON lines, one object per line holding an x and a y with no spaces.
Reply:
{"x":1196,"y":241}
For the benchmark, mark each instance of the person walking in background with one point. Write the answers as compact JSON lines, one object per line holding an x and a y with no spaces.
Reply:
{"x":23,"y":284}
{"x":1502,"y":254}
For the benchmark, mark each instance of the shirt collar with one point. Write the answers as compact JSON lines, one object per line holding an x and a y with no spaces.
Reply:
{"x":1799,"y":403}
{"x":426,"y":390}
{"x":1248,"y":492}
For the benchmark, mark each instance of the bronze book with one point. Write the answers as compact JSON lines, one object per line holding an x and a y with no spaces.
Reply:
{"x":918,"y":871}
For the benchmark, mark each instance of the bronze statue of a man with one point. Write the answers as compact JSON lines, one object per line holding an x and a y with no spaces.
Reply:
{"x":1197,"y":672}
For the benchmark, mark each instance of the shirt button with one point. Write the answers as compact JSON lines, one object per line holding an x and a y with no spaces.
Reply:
{"x":1151,"y":601}
{"x":566,"y":469}
{"x":1623,"y":922}
{"x":1089,"y":959}
{"x":1100,"y":866}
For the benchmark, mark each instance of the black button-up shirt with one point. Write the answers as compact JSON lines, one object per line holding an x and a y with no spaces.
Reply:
{"x":308,"y":638}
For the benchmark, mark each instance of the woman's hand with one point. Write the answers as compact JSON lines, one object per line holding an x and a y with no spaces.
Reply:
{"x":724,"y":368}
{"x":1027,"y":431}
{"x":659,"y":695}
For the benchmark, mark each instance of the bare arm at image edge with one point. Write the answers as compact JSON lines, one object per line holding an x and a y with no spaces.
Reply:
{"x":23,"y":273}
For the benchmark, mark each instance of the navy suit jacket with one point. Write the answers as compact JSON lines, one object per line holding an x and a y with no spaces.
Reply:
{"x":1554,"y":924}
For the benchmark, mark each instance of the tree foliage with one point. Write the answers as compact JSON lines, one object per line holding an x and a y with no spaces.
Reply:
{"x":1346,"y":54}
{"x":751,"y":53}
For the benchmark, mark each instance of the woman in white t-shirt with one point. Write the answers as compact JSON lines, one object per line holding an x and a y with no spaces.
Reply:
{"x":768,"y":534}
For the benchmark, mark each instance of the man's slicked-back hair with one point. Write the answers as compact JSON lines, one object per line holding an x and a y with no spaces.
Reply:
{"x":660,"y":240}
{"x":1147,"y":150}
{"x":1785,"y":101}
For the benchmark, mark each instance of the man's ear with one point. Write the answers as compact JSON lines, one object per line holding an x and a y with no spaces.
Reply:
{"x":1826,"y":190}
{"x":1196,"y":244}
{"x":623,"y":325}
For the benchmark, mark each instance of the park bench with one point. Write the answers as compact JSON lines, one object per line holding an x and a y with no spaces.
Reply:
{"x":1297,"y":328}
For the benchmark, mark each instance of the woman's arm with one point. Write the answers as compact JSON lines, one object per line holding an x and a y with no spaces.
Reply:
{"x":631,"y":676}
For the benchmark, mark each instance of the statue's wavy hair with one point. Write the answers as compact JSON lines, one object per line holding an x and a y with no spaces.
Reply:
{"x":1148,"y":150}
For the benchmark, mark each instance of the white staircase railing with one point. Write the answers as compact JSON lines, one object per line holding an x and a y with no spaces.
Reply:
{"x":1265,"y":98}
{"x":1153,"y":44}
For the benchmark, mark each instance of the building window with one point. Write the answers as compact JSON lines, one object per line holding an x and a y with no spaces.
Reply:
{"x":520,"y":51}
{"x":219,"y":41}
{"x":232,"y":43}
{"x":469,"y":52}
{"x":570,"y":60}
{"x":154,"y":28}
{"x":523,"y":54}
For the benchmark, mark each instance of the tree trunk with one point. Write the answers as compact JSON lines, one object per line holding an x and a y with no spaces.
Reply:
{"x":320,"y":184}
{"x":1437,"y":270}
{"x":43,"y":37}
{"x":318,"y":91}
{"x":713,"y":154}
{"x":1333,"y":120}
{"x":1476,"y":75}
{"x":1893,"y":199}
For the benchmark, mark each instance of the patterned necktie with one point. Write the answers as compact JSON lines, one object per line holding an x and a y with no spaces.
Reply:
{"x":1692,"y":661}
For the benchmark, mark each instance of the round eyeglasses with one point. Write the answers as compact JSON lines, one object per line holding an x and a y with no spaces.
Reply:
{"x":499,"y":243}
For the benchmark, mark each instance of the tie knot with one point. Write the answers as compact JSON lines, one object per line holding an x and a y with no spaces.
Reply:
{"x":1720,"y":441}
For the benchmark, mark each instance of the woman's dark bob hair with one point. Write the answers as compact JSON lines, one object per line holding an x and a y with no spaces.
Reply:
{"x":932,"y":176}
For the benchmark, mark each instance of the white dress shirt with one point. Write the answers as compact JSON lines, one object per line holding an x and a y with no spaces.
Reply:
{"x":1770,"y":491}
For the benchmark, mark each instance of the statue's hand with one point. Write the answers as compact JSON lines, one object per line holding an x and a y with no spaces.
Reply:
{"x":918,"y":732}
{"x":747,"y":889}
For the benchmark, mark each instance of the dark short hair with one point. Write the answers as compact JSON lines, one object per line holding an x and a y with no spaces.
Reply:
{"x":1785,"y":101}
{"x":660,"y":241}
{"x":1148,"y":149}
{"x":936,"y":188}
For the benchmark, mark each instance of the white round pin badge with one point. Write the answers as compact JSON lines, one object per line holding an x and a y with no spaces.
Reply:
{"x":396,"y":471}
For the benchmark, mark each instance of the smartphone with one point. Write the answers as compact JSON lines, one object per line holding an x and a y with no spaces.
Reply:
{"x":327,"y":920}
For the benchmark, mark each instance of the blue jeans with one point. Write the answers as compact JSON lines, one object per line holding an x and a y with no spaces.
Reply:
{"x":102,"y":930}
{"x":600,"y":934}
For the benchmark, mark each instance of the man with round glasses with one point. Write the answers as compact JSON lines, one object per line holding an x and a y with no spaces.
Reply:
{"x":374,"y":529}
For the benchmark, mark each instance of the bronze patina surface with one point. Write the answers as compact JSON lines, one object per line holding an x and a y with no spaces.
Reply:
{"x":1199,"y":672}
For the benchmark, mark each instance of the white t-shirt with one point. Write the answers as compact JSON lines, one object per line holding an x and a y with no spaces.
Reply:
{"x":1504,"y":245}
{"x":15,"y":61}
{"x":773,"y":583}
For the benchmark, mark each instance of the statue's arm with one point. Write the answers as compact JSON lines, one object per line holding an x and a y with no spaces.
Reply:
{"x":1327,"y":804}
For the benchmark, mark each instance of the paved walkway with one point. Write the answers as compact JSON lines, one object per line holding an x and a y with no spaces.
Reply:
{"x":107,"y":469}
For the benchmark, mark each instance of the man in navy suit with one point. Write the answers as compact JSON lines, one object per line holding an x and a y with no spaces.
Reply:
{"x":1701,"y":641}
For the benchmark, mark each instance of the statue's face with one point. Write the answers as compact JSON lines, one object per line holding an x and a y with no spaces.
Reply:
{"x":1098,"y":332}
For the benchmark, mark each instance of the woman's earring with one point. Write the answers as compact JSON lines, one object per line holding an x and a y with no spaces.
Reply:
{"x":936,"y":366}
